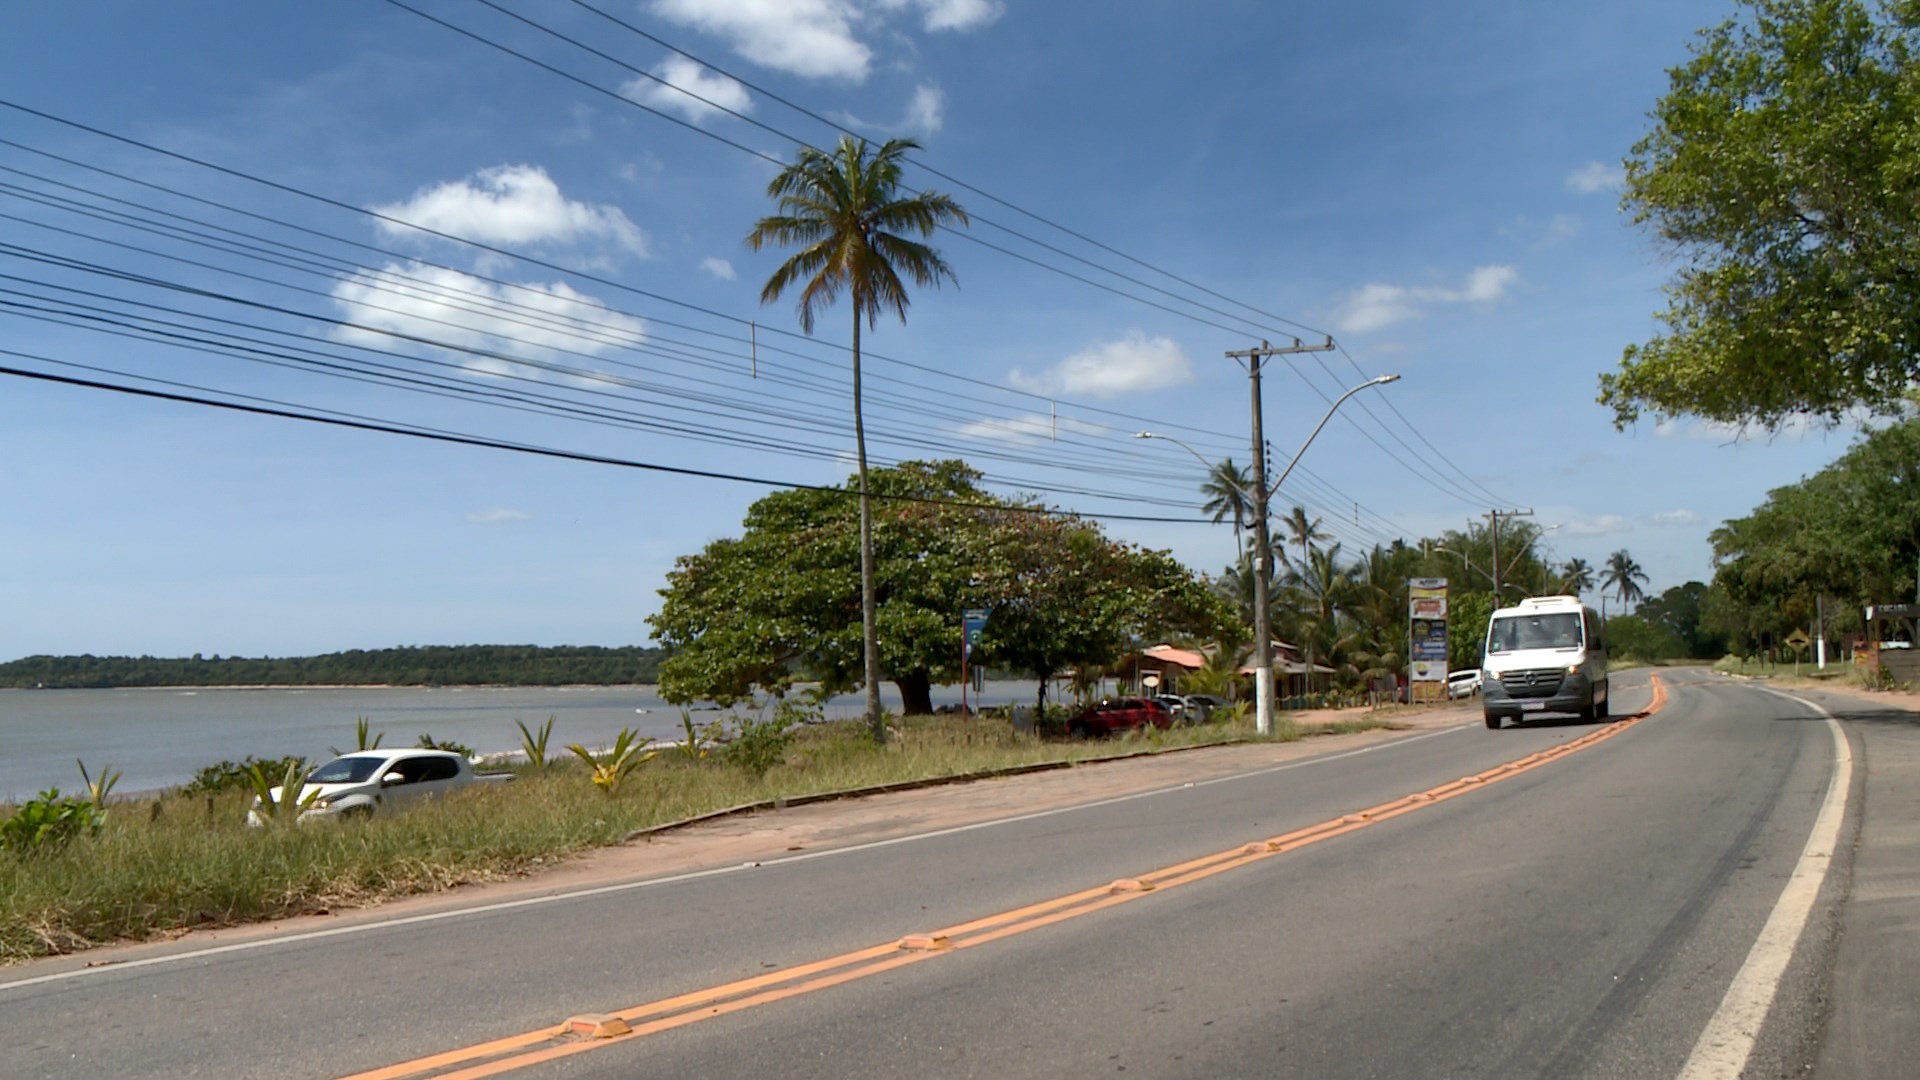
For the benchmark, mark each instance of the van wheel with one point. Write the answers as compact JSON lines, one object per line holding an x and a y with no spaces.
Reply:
{"x":1600,"y":708}
{"x":1492,"y":720}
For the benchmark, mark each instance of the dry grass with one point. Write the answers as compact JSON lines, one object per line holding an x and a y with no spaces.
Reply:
{"x":182,"y":862}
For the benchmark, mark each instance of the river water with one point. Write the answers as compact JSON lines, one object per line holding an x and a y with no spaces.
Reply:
{"x":159,"y":738}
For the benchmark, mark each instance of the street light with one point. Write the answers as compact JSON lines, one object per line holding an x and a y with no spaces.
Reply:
{"x":1262,"y":627}
{"x":1223,"y":477}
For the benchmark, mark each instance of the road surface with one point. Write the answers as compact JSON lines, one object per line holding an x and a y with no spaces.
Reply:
{"x":1600,"y":910}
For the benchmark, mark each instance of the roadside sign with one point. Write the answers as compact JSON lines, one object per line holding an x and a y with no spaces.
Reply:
{"x":1799,"y":640}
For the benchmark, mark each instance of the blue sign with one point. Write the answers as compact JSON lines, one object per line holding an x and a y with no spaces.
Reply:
{"x":973,"y":623}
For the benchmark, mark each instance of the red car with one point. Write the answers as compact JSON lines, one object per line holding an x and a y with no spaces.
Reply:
{"x":1119,"y":714}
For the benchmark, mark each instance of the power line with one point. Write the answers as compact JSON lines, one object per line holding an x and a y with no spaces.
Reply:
{"x":362,"y":424}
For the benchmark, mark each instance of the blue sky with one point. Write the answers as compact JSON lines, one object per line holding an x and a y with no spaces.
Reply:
{"x":1435,"y":186}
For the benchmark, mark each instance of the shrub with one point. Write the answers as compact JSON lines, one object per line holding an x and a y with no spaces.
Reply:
{"x":49,"y":822}
{"x":293,"y":800}
{"x":610,"y":770}
{"x":428,"y":742}
{"x":233,"y":775}
{"x":758,"y":743}
{"x":535,"y":746}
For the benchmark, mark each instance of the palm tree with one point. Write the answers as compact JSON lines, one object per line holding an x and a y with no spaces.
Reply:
{"x":1576,"y":576}
{"x":845,"y":213}
{"x":1303,"y":531}
{"x":1226,"y":489}
{"x":1624,"y":577}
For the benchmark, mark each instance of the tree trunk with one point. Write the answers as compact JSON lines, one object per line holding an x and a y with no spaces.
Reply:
{"x":869,"y":634}
{"x":916,"y":693}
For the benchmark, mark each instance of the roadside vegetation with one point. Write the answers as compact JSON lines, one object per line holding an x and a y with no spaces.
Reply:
{"x":77,"y":873}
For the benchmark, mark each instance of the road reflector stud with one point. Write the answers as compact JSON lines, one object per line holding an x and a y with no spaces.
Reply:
{"x":1255,"y":849}
{"x":1353,"y":819}
{"x":596,"y":1026}
{"x":926,"y":942}
{"x":1127,"y":884}
{"x":1472,"y":780}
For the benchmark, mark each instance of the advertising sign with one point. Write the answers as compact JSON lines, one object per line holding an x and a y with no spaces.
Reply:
{"x":1427,"y":629}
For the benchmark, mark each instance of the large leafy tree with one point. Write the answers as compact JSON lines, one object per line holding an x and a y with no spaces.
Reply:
{"x":781,"y":601}
{"x":1850,"y":532}
{"x":1783,"y":173}
{"x":854,"y":229}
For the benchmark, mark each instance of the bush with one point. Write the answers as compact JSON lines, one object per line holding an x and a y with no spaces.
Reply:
{"x":49,"y":822}
{"x":757,"y":744}
{"x":428,"y":742}
{"x":233,"y":775}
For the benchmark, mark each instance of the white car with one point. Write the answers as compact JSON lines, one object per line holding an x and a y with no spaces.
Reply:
{"x":1463,"y":683}
{"x":369,"y":780}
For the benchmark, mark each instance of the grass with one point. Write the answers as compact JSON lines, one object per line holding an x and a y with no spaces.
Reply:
{"x":184,"y":861}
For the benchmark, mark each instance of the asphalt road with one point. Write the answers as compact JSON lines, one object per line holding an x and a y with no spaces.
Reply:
{"x":1582,"y":918}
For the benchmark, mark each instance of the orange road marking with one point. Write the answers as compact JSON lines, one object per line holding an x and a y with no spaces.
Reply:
{"x":547,"y":1044}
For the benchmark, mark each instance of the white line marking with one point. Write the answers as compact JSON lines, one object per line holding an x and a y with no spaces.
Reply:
{"x":694,"y":875}
{"x":1727,"y":1043}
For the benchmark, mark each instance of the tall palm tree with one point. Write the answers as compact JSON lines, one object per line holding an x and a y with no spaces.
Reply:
{"x":1624,"y":577}
{"x":1304,"y":531}
{"x":1576,"y":576}
{"x":845,"y":213}
{"x":1227,"y":490}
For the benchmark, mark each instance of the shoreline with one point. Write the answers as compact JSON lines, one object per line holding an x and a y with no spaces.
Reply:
{"x":338,"y":686}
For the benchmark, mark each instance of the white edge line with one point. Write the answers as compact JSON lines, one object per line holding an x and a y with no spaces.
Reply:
{"x":113,"y":967}
{"x":1724,"y":1047}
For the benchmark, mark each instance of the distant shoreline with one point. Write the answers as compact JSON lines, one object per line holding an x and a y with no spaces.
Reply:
{"x":337,"y":686}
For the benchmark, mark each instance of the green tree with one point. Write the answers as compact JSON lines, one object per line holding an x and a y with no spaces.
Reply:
{"x":845,"y":213}
{"x":1576,"y":577}
{"x":1304,"y":531}
{"x":1783,"y":173}
{"x":1624,"y":577}
{"x":783,"y":599}
{"x":1850,"y":532}
{"x":1228,"y":489}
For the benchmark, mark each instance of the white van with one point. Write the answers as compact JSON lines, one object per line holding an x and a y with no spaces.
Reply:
{"x":1548,"y":654}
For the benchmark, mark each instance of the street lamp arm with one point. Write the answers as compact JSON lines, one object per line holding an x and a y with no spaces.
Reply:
{"x":1378,"y":380}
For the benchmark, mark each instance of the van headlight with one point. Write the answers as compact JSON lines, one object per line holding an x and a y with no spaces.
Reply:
{"x":1573,"y":669}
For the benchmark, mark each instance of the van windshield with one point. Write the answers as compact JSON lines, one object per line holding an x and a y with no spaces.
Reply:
{"x":1512,"y":633}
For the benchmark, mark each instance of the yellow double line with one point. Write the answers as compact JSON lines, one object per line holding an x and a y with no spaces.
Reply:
{"x":593,"y":1031}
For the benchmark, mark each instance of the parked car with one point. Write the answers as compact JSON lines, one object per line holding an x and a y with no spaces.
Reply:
{"x":1200,"y":707}
{"x":1463,"y":683}
{"x":1119,"y":714}
{"x":369,"y":780}
{"x":1175,"y":705}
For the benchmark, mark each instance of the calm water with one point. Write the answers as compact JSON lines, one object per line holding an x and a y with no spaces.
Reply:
{"x":160,"y":737}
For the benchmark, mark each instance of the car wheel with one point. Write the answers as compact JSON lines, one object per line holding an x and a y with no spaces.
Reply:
{"x":1492,"y":720}
{"x":1076,"y":731}
{"x":357,"y":813}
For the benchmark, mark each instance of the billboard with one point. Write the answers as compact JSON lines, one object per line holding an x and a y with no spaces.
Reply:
{"x":1427,"y":630}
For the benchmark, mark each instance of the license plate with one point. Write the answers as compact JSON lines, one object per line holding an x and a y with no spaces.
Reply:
{"x":1533,"y":706}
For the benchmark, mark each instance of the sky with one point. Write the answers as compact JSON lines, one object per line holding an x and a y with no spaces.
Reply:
{"x":355,"y":211}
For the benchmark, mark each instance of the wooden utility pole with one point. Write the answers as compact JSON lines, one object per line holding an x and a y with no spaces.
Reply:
{"x":1494,"y":516}
{"x":1262,"y":542}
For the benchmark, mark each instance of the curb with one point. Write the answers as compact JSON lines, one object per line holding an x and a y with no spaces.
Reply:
{"x":784,"y":802}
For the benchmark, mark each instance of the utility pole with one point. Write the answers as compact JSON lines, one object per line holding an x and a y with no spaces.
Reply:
{"x":1262,"y":543}
{"x":1494,"y":516}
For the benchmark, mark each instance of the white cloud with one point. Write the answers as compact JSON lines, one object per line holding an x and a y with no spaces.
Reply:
{"x":437,"y":304}
{"x":810,"y":38}
{"x":511,"y":205}
{"x":498,"y":516}
{"x":678,"y":74}
{"x":1604,"y":525}
{"x":927,"y":111}
{"x":1109,"y":369}
{"x":1676,"y":518}
{"x":718,"y":267}
{"x":950,"y":14}
{"x":1595,"y":177}
{"x":1029,"y":429}
{"x":1378,"y":305}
